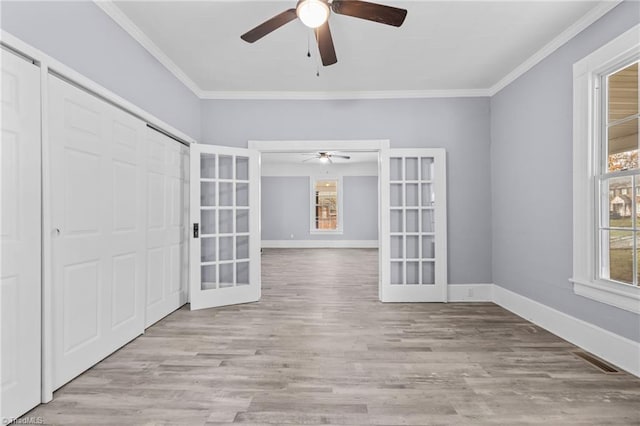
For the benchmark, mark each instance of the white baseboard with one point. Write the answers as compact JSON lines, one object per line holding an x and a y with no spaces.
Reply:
{"x":470,"y":292}
{"x":319,"y":243}
{"x":620,"y":351}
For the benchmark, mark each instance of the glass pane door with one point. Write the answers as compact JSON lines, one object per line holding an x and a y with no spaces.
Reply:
{"x":414,"y":230}
{"x":225,"y":235}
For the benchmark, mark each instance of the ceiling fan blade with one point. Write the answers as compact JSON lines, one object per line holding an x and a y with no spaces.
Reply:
{"x":330,"y":160}
{"x":346,"y":157}
{"x":309,"y":159}
{"x":269,"y":25}
{"x":370,"y":11}
{"x":325,"y":44}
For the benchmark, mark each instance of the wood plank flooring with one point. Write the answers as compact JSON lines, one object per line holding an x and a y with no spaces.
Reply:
{"x":320,"y":349}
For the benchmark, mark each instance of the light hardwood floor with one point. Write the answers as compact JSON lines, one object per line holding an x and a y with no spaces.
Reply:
{"x":320,"y":349}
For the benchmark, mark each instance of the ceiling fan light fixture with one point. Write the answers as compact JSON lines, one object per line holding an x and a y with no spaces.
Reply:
{"x":312,"y":13}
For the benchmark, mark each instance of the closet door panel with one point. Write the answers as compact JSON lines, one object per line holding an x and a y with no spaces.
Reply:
{"x":20,"y":237}
{"x":165,"y":231}
{"x":98,"y":213}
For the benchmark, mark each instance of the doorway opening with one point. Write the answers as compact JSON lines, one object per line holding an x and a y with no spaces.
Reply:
{"x":320,"y":196}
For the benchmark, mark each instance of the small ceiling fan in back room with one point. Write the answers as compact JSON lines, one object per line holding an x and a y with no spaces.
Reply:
{"x":325,"y":157}
{"x":315,"y":14}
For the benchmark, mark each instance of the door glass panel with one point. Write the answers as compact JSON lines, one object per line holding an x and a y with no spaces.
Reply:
{"x":427,"y":221}
{"x":428,"y":272}
{"x":397,"y":273}
{"x":242,"y":194}
{"x":242,"y":168}
{"x":413,"y":275}
{"x":208,"y":277}
{"x":412,"y":194}
{"x":207,"y":166}
{"x":428,"y":247}
{"x":208,"y":249}
{"x":242,"y":220}
{"x":226,"y":167}
{"x":226,"y":194}
{"x":207,"y":194}
{"x":413,"y":247}
{"x":226,"y":221}
{"x":411,"y":171}
{"x":226,"y":275}
{"x":242,"y":273}
{"x":226,"y":248}
{"x":242,"y":247}
{"x":396,"y":247}
{"x":412,"y":220}
{"x":208,"y":222}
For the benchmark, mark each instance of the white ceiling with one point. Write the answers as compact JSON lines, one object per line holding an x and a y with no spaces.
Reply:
{"x":442,"y":46}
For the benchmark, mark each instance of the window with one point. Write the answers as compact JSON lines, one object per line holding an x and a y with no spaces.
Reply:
{"x":326,"y":208}
{"x":606,"y":178}
{"x":619,"y":176}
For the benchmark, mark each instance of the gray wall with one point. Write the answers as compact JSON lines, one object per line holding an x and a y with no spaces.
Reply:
{"x":82,"y":36}
{"x":286,"y":208}
{"x":531,"y":159}
{"x":460,"y":125}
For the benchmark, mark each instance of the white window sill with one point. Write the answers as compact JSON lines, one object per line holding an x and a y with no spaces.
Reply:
{"x":327,"y":232}
{"x":622,"y":296}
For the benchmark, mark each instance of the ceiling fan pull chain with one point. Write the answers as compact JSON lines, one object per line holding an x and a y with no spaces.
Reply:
{"x":308,"y":44}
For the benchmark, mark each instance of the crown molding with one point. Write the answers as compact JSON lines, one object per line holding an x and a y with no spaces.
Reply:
{"x":351,"y":95}
{"x":138,"y":35}
{"x":587,"y":19}
{"x":134,"y":31}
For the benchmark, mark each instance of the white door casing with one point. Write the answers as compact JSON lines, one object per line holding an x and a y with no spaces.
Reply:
{"x":20,"y":229}
{"x":98,"y":193}
{"x":167,"y":255}
{"x":225,"y":226}
{"x":413,"y":240}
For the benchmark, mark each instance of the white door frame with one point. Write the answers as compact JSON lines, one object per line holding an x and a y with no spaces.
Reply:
{"x":369,"y":145}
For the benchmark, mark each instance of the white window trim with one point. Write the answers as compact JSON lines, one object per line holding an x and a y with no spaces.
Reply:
{"x":312,"y":203}
{"x":586,"y":74}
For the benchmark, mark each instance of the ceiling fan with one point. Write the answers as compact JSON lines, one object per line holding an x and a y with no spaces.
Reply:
{"x":315,"y":14}
{"x":325,"y":157}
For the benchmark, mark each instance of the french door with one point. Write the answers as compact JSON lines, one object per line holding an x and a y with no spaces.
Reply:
{"x":413,"y":243}
{"x":20,"y":237}
{"x":225,"y":222}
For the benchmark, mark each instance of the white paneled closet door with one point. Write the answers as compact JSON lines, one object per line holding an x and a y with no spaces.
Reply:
{"x":21,"y":237}
{"x":167,"y":253}
{"x":98,"y":198}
